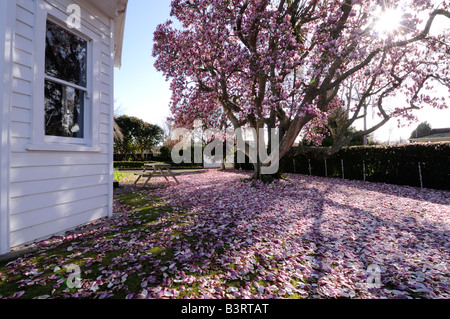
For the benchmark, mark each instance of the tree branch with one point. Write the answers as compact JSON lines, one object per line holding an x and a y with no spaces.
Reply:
{"x":373,"y":54}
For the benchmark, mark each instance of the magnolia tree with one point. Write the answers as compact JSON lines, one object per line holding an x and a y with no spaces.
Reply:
{"x":294,"y":65}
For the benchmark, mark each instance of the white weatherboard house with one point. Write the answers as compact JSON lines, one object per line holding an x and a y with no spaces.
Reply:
{"x":57,"y":59}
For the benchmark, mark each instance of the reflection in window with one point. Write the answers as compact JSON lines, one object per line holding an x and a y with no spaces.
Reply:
{"x":65,"y":82}
{"x":63,"y":110}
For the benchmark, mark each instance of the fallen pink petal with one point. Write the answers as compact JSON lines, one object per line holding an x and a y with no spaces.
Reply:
{"x":217,"y":235}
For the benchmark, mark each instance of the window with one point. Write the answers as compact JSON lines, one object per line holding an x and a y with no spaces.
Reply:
{"x":67,"y":97}
{"x":65,"y":83}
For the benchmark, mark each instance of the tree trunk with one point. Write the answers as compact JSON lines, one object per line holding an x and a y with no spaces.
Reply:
{"x":261,"y":150}
{"x":256,"y":170}
{"x":257,"y":164}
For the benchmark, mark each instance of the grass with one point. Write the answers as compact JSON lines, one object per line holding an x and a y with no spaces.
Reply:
{"x":121,"y":176}
{"x":146,"y":213}
{"x":45,"y":260}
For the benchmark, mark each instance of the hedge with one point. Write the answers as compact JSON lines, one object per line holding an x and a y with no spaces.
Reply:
{"x":140,"y":164}
{"x":419,"y":165}
{"x":133,"y":157}
{"x":131,"y":164}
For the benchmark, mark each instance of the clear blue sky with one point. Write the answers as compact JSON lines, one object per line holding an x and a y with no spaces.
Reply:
{"x":141,"y":91}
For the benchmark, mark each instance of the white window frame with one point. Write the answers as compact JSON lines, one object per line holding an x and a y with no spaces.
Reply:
{"x":84,"y":89}
{"x":91,"y":137}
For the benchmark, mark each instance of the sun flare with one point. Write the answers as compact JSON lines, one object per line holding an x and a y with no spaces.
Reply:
{"x":389,"y":21}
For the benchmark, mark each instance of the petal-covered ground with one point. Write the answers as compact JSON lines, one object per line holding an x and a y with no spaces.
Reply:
{"x":219,"y":235}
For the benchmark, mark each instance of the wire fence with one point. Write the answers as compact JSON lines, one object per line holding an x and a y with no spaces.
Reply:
{"x":424,"y":174}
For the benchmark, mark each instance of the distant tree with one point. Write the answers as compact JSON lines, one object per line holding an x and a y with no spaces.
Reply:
{"x":328,"y":141}
{"x":165,"y":153}
{"x":117,"y":131}
{"x":331,"y":129}
{"x":168,"y":128}
{"x":138,"y":136}
{"x":422,"y":130}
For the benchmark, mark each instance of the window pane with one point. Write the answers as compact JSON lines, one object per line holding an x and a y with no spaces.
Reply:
{"x":64,"y":110}
{"x":65,"y":55}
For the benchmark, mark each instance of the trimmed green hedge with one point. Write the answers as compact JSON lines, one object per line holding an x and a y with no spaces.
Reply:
{"x":131,"y":164}
{"x":140,"y":164}
{"x":384,"y":164}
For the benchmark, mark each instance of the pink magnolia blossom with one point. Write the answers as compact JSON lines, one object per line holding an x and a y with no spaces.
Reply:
{"x":289,"y":64}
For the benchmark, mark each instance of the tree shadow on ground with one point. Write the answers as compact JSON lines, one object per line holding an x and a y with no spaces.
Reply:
{"x":225,"y":226}
{"x":420,"y":194}
{"x":384,"y":243}
{"x":308,"y":238}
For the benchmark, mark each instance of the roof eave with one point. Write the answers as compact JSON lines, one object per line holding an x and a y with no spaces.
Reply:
{"x":119,"y":31}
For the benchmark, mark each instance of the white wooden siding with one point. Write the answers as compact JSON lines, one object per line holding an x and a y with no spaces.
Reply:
{"x":7,"y":22}
{"x":54,"y":191}
{"x":43,"y":230}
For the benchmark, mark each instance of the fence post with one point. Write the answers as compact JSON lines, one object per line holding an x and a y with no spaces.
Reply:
{"x":309,"y":164}
{"x":364,"y":170}
{"x":420,"y":175}
{"x":342,"y":164}
{"x":326,"y":168}
{"x":293,"y":161}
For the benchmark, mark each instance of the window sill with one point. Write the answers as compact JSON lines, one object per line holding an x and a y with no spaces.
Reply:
{"x":63,"y":148}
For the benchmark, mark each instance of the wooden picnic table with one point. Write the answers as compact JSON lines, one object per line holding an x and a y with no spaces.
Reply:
{"x":156,"y":170}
